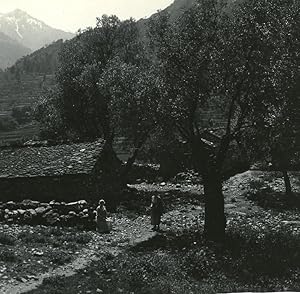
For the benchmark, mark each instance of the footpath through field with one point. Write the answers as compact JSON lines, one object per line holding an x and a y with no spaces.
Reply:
{"x":128,"y":232}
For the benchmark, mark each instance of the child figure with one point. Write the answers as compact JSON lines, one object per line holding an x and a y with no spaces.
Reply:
{"x":156,"y":209}
{"x":101,"y":215}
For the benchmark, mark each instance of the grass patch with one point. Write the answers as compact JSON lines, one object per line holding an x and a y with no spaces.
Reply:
{"x":263,"y":247}
{"x":55,"y":237}
{"x":259,"y":254}
{"x":29,"y":237}
{"x":265,"y":196}
{"x":79,"y":238}
{"x":54,"y":284}
{"x":59,"y":257}
{"x":257,"y":251}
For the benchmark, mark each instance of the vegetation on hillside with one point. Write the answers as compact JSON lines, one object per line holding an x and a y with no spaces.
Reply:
{"x":11,"y":50}
{"x":237,"y":60}
{"x":244,"y":57}
{"x":42,"y":61}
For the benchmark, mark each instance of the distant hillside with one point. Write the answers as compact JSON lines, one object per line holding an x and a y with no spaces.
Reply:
{"x":42,"y":61}
{"x":45,"y":60}
{"x":18,"y":94}
{"x":24,"y":82}
{"x":10,"y":51}
{"x":178,"y":7}
{"x":29,"y":31}
{"x":22,"y":90}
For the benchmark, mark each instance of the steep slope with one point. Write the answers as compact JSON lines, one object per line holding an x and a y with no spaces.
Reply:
{"x":10,"y":51}
{"x":178,"y":7}
{"x":42,"y":61}
{"x":37,"y":60}
{"x":29,"y":31}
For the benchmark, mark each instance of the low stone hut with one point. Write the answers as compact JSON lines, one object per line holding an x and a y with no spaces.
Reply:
{"x":66,"y":172}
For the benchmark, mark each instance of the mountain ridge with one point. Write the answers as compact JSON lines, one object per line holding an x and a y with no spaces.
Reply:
{"x":10,"y":51}
{"x":29,"y":31}
{"x":175,"y":10}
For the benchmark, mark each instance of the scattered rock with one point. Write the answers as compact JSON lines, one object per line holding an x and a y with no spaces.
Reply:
{"x":32,"y":277}
{"x":230,"y":206}
{"x":72,"y":213}
{"x":51,"y":217}
{"x":32,"y":212}
{"x":11,"y":205}
{"x":27,"y":204}
{"x":21,"y":279}
{"x":42,"y":209}
{"x":297,"y":223}
{"x":21,"y":211}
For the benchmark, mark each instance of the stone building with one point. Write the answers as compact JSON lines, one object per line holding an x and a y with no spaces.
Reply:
{"x":61,"y":172}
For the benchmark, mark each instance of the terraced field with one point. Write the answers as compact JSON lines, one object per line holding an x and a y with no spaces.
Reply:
{"x":24,"y":91}
{"x":24,"y":133}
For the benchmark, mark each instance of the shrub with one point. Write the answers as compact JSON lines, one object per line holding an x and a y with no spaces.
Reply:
{"x":6,"y":239}
{"x":199,"y":264}
{"x":263,"y":247}
{"x":7,"y":255}
{"x":75,"y":237}
{"x":55,"y":285}
{"x":82,"y":238}
{"x":155,"y":272}
{"x":32,"y":237}
{"x":55,"y":231}
{"x":22,"y":114}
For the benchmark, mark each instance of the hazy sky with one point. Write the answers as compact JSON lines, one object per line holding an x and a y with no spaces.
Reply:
{"x":71,"y":15}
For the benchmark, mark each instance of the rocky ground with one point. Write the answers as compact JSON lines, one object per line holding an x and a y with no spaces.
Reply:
{"x":37,"y":254}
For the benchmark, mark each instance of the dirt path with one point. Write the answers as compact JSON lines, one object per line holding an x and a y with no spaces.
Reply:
{"x":235,"y":202}
{"x":129,"y":232}
{"x":125,"y":233}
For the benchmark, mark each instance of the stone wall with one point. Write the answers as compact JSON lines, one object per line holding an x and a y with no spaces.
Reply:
{"x":53,"y":213}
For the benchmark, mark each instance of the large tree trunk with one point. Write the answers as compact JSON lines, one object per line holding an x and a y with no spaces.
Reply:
{"x":215,"y":221}
{"x":287,"y":182}
{"x":128,"y":166}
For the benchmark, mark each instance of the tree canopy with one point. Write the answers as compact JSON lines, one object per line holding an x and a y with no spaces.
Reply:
{"x":239,"y":59}
{"x":239,"y":56}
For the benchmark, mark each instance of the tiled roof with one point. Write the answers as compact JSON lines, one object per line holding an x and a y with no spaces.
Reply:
{"x":49,"y":161}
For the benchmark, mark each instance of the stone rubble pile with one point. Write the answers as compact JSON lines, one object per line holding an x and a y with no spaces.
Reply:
{"x":79,"y":213}
{"x":187,"y":177}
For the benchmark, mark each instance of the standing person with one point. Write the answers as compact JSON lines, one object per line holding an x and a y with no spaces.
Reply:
{"x":156,"y":209}
{"x":101,"y":215}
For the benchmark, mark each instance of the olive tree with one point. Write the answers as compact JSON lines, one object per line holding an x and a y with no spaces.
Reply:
{"x":106,"y":88}
{"x":237,"y":58}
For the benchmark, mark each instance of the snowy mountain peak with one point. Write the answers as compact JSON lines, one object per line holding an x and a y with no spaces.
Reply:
{"x":19,"y":12}
{"x":29,"y":31}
